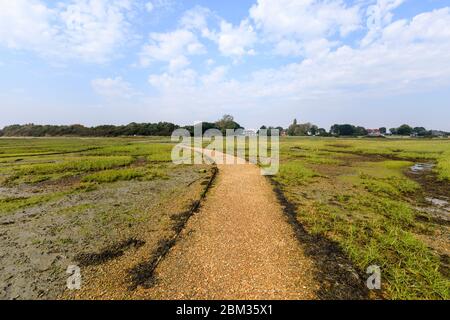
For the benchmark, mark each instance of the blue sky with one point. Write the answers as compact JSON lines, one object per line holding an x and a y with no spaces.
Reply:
{"x":368,"y":62}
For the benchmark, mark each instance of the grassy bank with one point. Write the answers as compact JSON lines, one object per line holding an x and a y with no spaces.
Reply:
{"x":355,"y":192}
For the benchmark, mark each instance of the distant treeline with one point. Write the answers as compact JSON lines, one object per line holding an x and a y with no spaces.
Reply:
{"x":132,"y":129}
{"x":226,"y":122}
{"x":349,"y":130}
{"x":144,"y":129}
{"x":403,"y":130}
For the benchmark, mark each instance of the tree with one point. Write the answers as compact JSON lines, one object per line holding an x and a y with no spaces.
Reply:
{"x":322,"y":132}
{"x":227,"y":122}
{"x":420,"y":131}
{"x":360,"y":131}
{"x":404,"y":130}
{"x":303,"y":129}
{"x":262,"y":128}
{"x":280,"y":129}
{"x":291,"y":128}
{"x":383,"y":130}
{"x":347,"y":130}
{"x":313,"y":130}
{"x":334,"y":130}
{"x":343,"y":130}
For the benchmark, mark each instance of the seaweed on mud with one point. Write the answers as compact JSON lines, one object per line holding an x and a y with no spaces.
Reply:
{"x":143,"y":274}
{"x":181,"y":218}
{"x":445,"y":265}
{"x":339,"y":278}
{"x":208,"y":186}
{"x":109,"y":253}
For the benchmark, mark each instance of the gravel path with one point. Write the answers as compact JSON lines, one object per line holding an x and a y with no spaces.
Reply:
{"x":238,"y":246}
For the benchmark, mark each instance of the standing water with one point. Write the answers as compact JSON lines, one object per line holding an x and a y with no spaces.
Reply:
{"x":420,"y":168}
{"x":439,"y":207}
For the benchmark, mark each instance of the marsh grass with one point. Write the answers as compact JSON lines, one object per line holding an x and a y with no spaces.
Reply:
{"x":91,"y":162}
{"x":8,"y":205}
{"x":83,"y":164}
{"x":366,"y":204}
{"x":109,"y":176}
{"x":296,"y":173}
{"x":443,"y":167}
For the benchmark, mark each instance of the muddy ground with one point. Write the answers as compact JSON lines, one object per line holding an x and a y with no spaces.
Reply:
{"x":433,"y":205}
{"x":37,"y":244}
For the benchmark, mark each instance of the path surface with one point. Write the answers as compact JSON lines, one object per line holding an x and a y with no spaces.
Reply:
{"x":238,"y":246}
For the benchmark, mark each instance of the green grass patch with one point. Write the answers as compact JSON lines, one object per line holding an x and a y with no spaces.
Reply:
{"x":76,"y":165}
{"x":9,"y":205}
{"x":295,"y":172}
{"x":392,"y":186}
{"x":374,"y":231}
{"x":141,"y":173}
{"x":443,"y":167}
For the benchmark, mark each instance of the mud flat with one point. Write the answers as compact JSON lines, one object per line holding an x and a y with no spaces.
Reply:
{"x":38,"y":243}
{"x":434,"y":207}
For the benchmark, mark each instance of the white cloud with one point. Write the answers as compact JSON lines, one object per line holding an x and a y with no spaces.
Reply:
{"x":292,"y":24}
{"x":197,"y":19}
{"x":184,"y":80}
{"x":289,"y":48}
{"x":304,"y":19}
{"x":378,"y":16}
{"x":25,"y":24}
{"x":93,"y":29}
{"x":235,"y":41}
{"x":217,"y":75}
{"x":90,"y":30}
{"x":211,"y":86}
{"x":172,"y":47}
{"x":113,"y":88}
{"x":426,"y":27}
{"x":410,"y":56}
{"x":159,"y":5}
{"x":232,"y":41}
{"x":149,"y":6}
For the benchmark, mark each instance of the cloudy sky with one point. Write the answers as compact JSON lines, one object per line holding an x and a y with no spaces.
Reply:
{"x":368,"y":62}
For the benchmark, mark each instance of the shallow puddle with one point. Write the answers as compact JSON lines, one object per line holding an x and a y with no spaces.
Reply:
{"x":438,"y":204}
{"x":419,"y":168}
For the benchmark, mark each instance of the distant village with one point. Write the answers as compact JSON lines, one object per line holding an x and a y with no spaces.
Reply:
{"x":342,"y":130}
